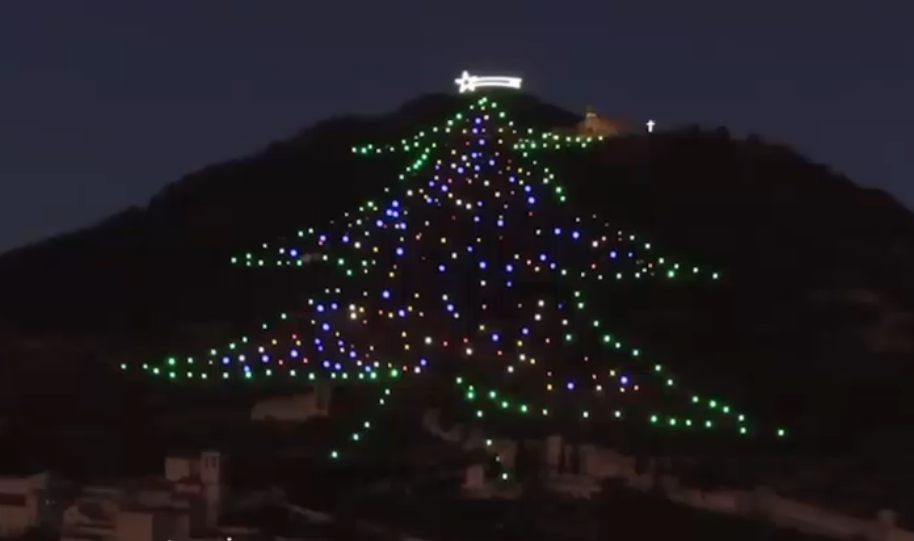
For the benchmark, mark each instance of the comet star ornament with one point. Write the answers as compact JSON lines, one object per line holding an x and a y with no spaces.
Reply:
{"x":469,"y":83}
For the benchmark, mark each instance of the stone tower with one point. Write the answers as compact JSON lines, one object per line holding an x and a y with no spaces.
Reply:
{"x":211,"y":477}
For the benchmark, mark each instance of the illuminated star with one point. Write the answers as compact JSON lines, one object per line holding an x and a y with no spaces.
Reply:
{"x":466,"y":82}
{"x":650,"y":125}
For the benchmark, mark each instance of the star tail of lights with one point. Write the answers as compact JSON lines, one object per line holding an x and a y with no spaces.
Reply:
{"x":474,"y":263}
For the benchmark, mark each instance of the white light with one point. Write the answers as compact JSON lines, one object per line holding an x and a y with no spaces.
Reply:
{"x":469,"y":83}
{"x":650,"y":126}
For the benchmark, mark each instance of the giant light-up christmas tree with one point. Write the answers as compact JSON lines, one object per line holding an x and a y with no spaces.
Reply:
{"x":475,"y":274}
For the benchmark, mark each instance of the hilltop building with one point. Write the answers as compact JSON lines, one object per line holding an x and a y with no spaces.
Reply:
{"x":594,"y":125}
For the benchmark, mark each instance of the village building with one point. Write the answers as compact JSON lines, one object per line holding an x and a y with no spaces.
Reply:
{"x":29,"y":502}
{"x":296,"y":408}
{"x":187,"y":500}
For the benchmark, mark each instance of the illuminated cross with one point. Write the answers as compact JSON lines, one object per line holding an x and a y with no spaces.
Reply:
{"x":650,"y":126}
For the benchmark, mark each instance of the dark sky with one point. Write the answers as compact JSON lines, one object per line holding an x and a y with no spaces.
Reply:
{"x":103,"y":102}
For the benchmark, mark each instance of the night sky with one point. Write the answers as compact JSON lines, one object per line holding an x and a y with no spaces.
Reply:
{"x":104,"y":102}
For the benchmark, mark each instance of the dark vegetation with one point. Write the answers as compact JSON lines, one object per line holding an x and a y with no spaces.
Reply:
{"x":812,"y":322}
{"x":617,"y":513}
{"x":426,"y":504}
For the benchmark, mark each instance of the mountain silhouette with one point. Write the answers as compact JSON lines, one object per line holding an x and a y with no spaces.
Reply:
{"x":812,"y":323}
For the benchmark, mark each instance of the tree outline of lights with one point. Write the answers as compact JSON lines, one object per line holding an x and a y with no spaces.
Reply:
{"x":345,"y":244}
{"x":469,"y":83}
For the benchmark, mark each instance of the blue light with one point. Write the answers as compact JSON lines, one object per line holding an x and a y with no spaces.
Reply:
{"x":385,"y":294}
{"x":482,"y":265}
{"x":531,"y":200}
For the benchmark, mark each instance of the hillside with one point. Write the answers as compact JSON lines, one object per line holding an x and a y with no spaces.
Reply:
{"x":813,"y":312}
{"x":821,"y":267}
